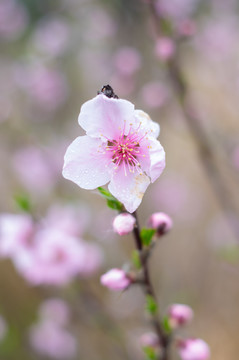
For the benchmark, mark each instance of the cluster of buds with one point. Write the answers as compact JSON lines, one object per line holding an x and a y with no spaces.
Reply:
{"x":189,"y":349}
{"x":124,"y":224}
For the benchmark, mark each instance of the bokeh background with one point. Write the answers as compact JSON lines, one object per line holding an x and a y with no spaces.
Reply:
{"x":55,"y":55}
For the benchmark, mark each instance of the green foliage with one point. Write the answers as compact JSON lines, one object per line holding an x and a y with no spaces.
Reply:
{"x":23,"y":202}
{"x":151,"y":305}
{"x":166,"y":325}
{"x":11,"y":342}
{"x":150,"y":353}
{"x":146,"y":235}
{"x":112,"y":202}
{"x":230,"y":254}
{"x":136,"y":259}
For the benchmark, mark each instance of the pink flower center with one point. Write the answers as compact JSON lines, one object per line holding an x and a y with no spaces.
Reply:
{"x":126,"y":150}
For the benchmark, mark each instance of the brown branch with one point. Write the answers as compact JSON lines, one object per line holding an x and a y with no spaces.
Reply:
{"x":199,"y":134}
{"x":164,"y":339}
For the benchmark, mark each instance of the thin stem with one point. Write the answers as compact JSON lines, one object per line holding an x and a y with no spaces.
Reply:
{"x":205,"y":148}
{"x":164,"y":339}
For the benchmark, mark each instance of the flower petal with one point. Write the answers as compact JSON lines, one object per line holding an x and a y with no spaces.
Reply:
{"x":157,"y":159}
{"x":86,"y":164}
{"x":103,"y":115}
{"x":128,"y":189}
{"x":147,"y":124}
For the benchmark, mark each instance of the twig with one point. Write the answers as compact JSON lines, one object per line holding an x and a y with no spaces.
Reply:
{"x":164,"y":339}
{"x":205,"y":148}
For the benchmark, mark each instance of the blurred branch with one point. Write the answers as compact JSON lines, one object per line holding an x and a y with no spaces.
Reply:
{"x":199,"y":134}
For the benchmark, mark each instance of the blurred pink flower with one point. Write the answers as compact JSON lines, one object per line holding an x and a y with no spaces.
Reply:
{"x":124,"y":223}
{"x":55,"y":310}
{"x":13,"y":19}
{"x":91,"y":259}
{"x":107,"y":28}
{"x":149,"y":339}
{"x":176,"y":9}
{"x":51,"y":340}
{"x":47,"y":87}
{"x":154,"y":94}
{"x":127,"y":61}
{"x":193,"y":349}
{"x":69,"y":219}
{"x":16,"y":232}
{"x":164,"y":48}
{"x":49,"y":251}
{"x":161,"y":222}
{"x":218,"y":38}
{"x":57,"y":258}
{"x":52,"y":35}
{"x":115,"y":279}
{"x":121,"y":149}
{"x":53,"y":259}
{"x":179,"y":314}
{"x":186,"y":27}
{"x":42,"y":176}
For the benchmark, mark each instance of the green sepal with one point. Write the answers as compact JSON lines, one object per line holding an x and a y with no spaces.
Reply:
{"x":23,"y":202}
{"x":112,"y":202}
{"x":136,"y":259}
{"x":166,"y":27}
{"x":166,"y":325}
{"x":146,"y":235}
{"x":150,"y":353}
{"x":151,"y":305}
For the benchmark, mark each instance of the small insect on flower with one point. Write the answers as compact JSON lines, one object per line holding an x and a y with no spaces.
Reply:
{"x":108,"y":91}
{"x":120,"y":147}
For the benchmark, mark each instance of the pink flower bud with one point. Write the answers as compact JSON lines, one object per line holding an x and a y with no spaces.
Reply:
{"x":115,"y":279}
{"x":161,"y":222}
{"x":193,"y":349}
{"x":179,"y":314}
{"x":165,"y":48}
{"x":187,"y":27}
{"x":149,"y":339}
{"x":124,"y":223}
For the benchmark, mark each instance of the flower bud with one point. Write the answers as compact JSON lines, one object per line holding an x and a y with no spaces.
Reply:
{"x":165,"y":48}
{"x":149,"y":339}
{"x":124,"y":223}
{"x":115,"y":279}
{"x":161,"y":222}
{"x":193,"y":349}
{"x":179,"y":314}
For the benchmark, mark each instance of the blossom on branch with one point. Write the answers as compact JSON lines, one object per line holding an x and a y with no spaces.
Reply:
{"x":124,"y":223}
{"x":179,"y":314}
{"x":116,"y":280}
{"x":193,"y":349}
{"x":119,"y":147}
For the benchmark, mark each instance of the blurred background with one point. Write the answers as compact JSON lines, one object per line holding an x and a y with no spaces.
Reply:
{"x":55,"y":55}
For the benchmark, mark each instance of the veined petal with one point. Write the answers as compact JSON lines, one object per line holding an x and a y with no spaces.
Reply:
{"x":157,"y":159}
{"x":147,"y":124}
{"x":128,"y":189}
{"x":107,"y":116}
{"x":85,"y":163}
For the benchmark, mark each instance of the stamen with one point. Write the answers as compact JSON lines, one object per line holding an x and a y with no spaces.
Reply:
{"x":126,"y":149}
